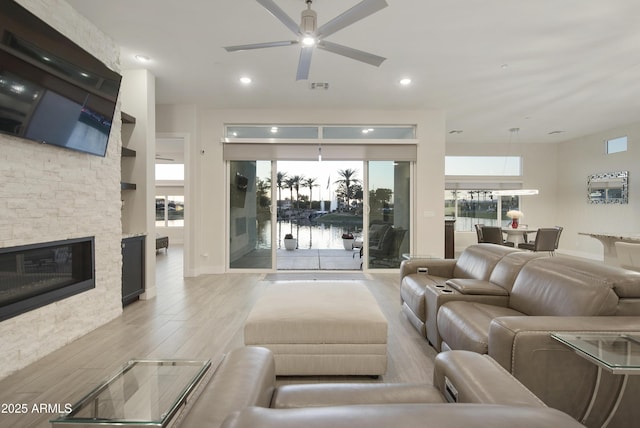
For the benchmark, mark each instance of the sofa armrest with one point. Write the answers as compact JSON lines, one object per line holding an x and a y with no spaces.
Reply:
{"x":477,"y":378}
{"x":436,"y":267}
{"x":246,"y":377}
{"x":476,"y":287}
{"x":552,"y":371}
{"x":507,"y":334}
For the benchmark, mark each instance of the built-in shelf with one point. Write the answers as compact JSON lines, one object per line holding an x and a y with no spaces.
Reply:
{"x":128,"y":153}
{"x":127,"y":118}
{"x":127,"y":186}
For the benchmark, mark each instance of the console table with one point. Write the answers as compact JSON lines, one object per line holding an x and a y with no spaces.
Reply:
{"x":616,"y":353}
{"x":609,"y":243}
{"x":147,"y":393}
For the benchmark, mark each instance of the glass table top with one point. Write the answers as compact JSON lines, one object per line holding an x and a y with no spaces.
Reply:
{"x":618,"y":353}
{"x":143,"y":392}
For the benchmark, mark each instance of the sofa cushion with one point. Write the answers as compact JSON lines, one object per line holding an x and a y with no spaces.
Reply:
{"x":507,"y":269}
{"x":403,"y":416}
{"x":345,"y":394}
{"x":556,"y":286}
{"x":465,"y":325}
{"x":478,"y":261}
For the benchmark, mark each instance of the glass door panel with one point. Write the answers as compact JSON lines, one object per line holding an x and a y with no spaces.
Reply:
{"x":389,"y":185}
{"x":250,"y":196}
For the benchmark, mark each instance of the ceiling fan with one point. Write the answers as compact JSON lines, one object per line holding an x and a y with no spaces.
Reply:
{"x":310,"y":35}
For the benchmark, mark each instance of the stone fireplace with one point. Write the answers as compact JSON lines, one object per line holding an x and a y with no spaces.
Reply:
{"x":32,"y":276}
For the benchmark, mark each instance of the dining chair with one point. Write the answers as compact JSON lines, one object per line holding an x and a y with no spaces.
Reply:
{"x":493,"y":235}
{"x":547,"y":239}
{"x":479,"y":232}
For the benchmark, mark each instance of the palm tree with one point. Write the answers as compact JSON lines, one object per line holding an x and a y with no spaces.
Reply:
{"x":348,"y":179}
{"x":280,"y":183}
{"x":310,"y":183}
{"x":297,"y":180}
{"x":289,"y":183}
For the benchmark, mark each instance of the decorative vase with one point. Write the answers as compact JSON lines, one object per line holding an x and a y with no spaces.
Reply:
{"x":290,"y":244}
{"x":347,"y":243}
{"x":514,"y":223}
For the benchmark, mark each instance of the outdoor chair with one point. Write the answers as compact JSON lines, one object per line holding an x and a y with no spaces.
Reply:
{"x":387,"y":252}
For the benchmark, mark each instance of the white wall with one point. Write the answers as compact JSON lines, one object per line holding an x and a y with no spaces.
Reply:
{"x":48,"y":194}
{"x":208,"y":172}
{"x":579,"y":158}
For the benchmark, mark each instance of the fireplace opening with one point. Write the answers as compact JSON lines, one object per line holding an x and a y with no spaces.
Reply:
{"x":32,"y":276}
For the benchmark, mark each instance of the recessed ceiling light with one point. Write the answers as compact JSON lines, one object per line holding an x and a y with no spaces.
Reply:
{"x":245,"y":80}
{"x":143,"y":58}
{"x":405,"y":81}
{"x":274,"y":129}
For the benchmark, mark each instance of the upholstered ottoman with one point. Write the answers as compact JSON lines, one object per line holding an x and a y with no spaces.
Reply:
{"x":320,"y":328}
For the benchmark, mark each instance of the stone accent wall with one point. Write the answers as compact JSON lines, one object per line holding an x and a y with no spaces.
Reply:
{"x":49,"y":193}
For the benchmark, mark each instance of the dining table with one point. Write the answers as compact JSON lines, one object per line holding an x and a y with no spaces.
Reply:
{"x":518,"y":235}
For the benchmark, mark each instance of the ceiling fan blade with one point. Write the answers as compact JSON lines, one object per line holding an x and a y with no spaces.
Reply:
{"x":275,"y":10}
{"x":351,"y":53}
{"x":355,"y":14}
{"x":260,"y":45}
{"x":304,"y":63}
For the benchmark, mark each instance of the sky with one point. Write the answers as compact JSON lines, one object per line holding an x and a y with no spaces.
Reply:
{"x":326,"y":172}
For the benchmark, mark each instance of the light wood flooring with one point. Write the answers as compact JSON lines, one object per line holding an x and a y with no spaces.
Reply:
{"x":194,"y":318}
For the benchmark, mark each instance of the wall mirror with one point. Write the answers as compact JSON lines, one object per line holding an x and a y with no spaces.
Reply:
{"x":608,"y":188}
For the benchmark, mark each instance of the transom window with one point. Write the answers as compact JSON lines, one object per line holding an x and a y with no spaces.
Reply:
{"x":327,"y":132}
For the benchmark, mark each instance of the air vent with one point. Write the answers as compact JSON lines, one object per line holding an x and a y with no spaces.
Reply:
{"x":318,"y":86}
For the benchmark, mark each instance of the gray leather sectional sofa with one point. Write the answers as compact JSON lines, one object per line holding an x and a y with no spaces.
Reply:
{"x":242,"y":393}
{"x":505,"y":303}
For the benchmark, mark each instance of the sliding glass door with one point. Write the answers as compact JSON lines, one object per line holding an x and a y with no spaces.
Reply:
{"x":389,"y":219}
{"x":250,"y":199}
{"x":254,"y":231}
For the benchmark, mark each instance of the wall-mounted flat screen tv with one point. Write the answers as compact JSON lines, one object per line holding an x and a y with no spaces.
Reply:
{"x":51,"y":90}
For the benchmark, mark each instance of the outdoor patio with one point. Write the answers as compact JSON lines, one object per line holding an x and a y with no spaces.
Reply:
{"x":312,"y":259}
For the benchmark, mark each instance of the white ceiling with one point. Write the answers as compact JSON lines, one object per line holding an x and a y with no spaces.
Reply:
{"x":538,"y":65}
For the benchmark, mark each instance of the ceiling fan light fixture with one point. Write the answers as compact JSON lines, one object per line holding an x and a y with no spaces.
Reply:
{"x":308,"y":40}
{"x":308,"y":20}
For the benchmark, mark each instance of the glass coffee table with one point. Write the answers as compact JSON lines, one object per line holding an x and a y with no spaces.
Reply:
{"x":143,"y":393}
{"x":617,"y":353}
